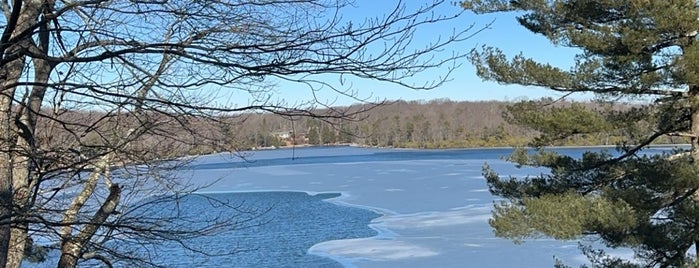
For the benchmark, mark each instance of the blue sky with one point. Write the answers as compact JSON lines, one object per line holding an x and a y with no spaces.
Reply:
{"x":504,"y":33}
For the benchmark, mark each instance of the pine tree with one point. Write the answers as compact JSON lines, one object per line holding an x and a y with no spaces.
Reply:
{"x":640,"y":49}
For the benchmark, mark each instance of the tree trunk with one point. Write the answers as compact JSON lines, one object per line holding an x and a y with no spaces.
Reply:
{"x":5,"y":177}
{"x":23,"y":179}
{"x":72,"y":247}
{"x":694,"y":131}
{"x":9,"y":73}
{"x":23,"y":16}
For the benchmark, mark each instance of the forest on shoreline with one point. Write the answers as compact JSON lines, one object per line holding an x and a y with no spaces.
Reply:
{"x":435,"y":124}
{"x":413,"y":124}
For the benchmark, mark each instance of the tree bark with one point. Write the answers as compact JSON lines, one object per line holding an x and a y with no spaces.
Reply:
{"x":23,"y":179}
{"x":9,"y":73}
{"x":72,"y":247}
{"x":694,"y":129}
{"x":14,"y":164}
{"x":694,"y":140}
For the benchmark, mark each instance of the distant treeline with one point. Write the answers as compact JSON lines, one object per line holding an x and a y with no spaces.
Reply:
{"x":415,"y":124}
{"x":433,"y":124}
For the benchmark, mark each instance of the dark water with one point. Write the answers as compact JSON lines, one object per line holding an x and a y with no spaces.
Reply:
{"x":290,"y":223}
{"x":274,"y":229}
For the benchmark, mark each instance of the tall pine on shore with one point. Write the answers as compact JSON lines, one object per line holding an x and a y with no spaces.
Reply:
{"x":628,"y":48}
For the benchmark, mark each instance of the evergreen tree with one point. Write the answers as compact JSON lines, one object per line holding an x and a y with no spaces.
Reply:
{"x":313,"y":136}
{"x":641,"y":49}
{"x":345,"y":134}
{"x":327,"y":134}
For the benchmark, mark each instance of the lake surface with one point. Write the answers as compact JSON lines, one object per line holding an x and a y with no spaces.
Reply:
{"x":276,"y":229}
{"x":434,"y":204}
{"x":362,"y":207}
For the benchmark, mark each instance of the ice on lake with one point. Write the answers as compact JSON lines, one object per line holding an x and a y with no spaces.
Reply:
{"x":363,"y":207}
{"x":434,"y":203}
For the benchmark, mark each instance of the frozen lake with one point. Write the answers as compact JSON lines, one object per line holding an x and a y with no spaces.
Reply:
{"x":433,"y":205}
{"x":360,"y":207}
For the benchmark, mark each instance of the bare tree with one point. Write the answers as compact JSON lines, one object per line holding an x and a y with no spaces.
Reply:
{"x":91,"y":88}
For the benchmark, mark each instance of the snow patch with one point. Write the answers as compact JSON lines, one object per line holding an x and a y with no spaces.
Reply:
{"x":371,"y":249}
{"x":432,"y":219}
{"x":394,"y":190}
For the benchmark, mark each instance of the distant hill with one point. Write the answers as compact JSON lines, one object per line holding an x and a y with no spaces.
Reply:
{"x":414,"y":124}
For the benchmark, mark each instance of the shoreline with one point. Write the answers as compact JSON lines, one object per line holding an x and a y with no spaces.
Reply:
{"x":308,"y":146}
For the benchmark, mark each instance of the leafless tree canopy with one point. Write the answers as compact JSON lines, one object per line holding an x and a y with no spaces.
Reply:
{"x":144,"y":76}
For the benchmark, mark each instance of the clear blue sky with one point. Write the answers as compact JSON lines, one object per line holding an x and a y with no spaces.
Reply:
{"x":504,"y":33}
